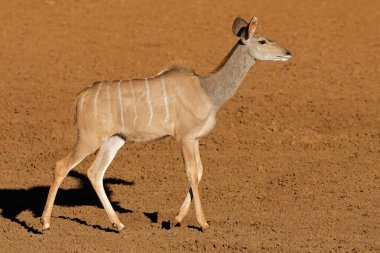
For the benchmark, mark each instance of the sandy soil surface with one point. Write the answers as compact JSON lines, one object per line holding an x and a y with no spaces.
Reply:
{"x":292,"y":165}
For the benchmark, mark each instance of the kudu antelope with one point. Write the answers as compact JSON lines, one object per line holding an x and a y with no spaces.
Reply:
{"x":176,"y":103}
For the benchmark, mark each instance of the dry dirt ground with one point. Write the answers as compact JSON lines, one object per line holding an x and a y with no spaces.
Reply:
{"x":292,"y":165}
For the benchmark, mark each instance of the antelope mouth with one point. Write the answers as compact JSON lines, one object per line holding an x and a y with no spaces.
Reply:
{"x":283,"y":58}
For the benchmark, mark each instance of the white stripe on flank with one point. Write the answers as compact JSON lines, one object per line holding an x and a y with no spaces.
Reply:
{"x":134,"y":102}
{"x":165,"y":100}
{"x":109,"y":103}
{"x":120,"y":103}
{"x":82,"y":101}
{"x":96,"y":100}
{"x":148,"y":100}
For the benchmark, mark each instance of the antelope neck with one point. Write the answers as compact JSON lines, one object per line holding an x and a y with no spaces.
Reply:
{"x":222,"y":84}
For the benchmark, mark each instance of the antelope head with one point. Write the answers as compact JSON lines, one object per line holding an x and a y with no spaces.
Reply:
{"x":257,"y":46}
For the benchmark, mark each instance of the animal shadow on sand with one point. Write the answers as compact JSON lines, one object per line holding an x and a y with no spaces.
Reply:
{"x":15,"y":201}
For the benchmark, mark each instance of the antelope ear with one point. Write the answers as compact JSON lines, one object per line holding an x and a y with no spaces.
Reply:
{"x":239,"y":26}
{"x":252,"y":27}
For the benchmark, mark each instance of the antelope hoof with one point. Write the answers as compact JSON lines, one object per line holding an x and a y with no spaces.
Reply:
{"x":119,"y":226}
{"x":45,"y":225}
{"x":205,"y":227}
{"x":174,"y":223}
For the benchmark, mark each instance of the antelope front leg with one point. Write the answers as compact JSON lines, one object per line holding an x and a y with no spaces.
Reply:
{"x":189,"y":197}
{"x":189,"y":152}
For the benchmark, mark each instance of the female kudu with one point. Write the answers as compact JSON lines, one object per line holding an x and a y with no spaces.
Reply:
{"x":177,"y":102}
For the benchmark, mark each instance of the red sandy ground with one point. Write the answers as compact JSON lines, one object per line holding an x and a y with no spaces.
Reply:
{"x":292,"y":165}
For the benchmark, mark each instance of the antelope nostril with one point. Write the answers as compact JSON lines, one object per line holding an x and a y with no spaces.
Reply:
{"x":288,"y":53}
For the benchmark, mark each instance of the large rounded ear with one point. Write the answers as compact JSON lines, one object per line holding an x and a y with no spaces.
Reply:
{"x":252,"y":27}
{"x":238,"y":26}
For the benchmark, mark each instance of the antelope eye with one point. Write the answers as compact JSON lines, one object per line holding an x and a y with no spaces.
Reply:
{"x":262,"y":42}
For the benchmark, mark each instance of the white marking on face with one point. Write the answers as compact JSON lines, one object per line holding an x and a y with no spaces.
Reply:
{"x":165,"y":100}
{"x":149,"y":101}
{"x":120,"y":103}
{"x":96,"y":100}
{"x":134,"y":101}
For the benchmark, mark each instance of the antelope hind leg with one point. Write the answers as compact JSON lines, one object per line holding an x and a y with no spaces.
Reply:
{"x":96,"y":173}
{"x":62,"y":168}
